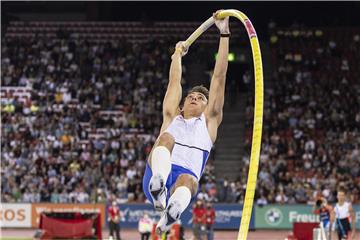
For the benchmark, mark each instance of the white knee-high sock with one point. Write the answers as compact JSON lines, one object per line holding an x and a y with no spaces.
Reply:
{"x":160,"y":162}
{"x":183,"y":196}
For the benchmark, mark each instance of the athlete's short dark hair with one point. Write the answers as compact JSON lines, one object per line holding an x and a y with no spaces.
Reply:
{"x":341,"y":189}
{"x":201,"y":89}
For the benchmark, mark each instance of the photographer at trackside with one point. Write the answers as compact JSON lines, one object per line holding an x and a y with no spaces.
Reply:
{"x":114,"y":220}
{"x":210,"y":220}
{"x":199,"y":220}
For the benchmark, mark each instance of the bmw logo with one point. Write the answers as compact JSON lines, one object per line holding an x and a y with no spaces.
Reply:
{"x":273,"y":216}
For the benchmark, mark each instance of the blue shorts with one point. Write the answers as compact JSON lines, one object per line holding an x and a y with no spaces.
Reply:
{"x":326,"y":224}
{"x":176,"y":170}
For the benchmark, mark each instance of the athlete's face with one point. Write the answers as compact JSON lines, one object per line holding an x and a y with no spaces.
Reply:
{"x":195,"y":104}
{"x":341,"y":197}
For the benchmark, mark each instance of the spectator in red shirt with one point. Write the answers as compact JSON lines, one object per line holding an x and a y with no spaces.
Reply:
{"x":210,"y":220}
{"x":114,"y":220}
{"x":199,"y":220}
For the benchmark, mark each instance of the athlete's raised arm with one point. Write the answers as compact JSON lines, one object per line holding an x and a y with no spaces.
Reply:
{"x":214,"y":110}
{"x":173,"y":93}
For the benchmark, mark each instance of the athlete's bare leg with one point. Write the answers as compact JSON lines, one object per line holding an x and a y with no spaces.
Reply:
{"x":186,"y":180}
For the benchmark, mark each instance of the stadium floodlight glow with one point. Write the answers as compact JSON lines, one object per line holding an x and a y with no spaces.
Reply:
{"x":231,"y":56}
{"x":258,"y":111}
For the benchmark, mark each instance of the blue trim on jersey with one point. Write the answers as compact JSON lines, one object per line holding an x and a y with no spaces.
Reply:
{"x":204,"y":160}
{"x":184,"y":145}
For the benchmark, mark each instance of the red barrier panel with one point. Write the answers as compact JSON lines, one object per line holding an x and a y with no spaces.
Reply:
{"x":66,"y":228}
{"x":304,"y":230}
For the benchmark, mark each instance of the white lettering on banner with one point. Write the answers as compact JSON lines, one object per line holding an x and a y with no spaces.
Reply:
{"x":357,"y":216}
{"x":39,"y":210}
{"x":224,"y":216}
{"x":15,"y":215}
{"x":135,"y":215}
{"x":294,"y":216}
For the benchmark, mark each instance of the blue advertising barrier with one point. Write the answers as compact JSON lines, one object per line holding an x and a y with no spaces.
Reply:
{"x":228,"y":216}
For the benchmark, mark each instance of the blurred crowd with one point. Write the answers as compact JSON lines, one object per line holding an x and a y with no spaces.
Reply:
{"x":52,"y":150}
{"x":311,"y":139}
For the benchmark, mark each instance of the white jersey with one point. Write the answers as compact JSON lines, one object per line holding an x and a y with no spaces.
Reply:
{"x":342,"y":211}
{"x":192,"y":143}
